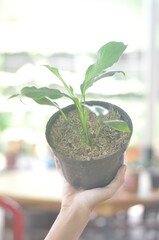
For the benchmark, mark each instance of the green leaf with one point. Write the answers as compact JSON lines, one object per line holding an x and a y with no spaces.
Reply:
{"x":107,"y":74}
{"x":38,"y":93}
{"x":71,"y":90}
{"x":54,"y":71}
{"x":119,"y":125}
{"x":46,"y":101}
{"x":102,"y":75}
{"x":106,"y":57}
{"x":14,"y":95}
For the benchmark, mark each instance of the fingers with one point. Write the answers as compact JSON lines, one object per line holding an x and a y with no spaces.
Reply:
{"x":58,"y":166}
{"x":57,"y":163}
{"x":101,"y":194}
{"x":116,"y":183}
{"x":97,"y":195}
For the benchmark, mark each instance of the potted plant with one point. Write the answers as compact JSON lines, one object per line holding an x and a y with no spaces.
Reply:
{"x":88,"y":138}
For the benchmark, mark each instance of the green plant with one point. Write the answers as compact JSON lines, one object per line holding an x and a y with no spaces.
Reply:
{"x":106,"y":57}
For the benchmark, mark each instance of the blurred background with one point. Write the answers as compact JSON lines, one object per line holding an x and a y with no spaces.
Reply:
{"x":67,"y":34}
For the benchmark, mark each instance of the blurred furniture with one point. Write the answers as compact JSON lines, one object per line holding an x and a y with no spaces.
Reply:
{"x":43,"y":189}
{"x":17,"y":216}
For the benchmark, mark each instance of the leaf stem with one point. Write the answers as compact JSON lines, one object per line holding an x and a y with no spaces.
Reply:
{"x":83,"y":123}
{"x":98,"y":131}
{"x":73,"y":126}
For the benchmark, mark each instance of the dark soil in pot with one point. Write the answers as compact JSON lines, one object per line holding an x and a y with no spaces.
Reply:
{"x":64,"y":139}
{"x":75,"y":155}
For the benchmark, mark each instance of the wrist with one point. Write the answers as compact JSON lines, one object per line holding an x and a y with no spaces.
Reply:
{"x":69,"y":224}
{"x":73,"y":222}
{"x":76,"y":210}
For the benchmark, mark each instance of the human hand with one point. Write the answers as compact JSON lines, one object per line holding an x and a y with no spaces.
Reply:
{"x":77,"y":206}
{"x":88,"y":199}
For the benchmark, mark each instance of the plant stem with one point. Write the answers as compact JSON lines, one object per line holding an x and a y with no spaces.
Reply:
{"x":83,"y":123}
{"x":85,"y":130}
{"x":73,"y":126}
{"x":77,"y":132}
{"x":98,"y":131}
{"x":63,"y":114}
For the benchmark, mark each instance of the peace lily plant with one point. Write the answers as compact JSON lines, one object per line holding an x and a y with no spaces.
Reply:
{"x":106,"y":57}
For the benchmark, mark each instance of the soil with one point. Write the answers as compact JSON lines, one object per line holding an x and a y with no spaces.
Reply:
{"x":64,"y":140}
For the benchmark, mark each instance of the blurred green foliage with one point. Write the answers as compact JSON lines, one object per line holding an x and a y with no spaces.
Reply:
{"x":5,"y":120}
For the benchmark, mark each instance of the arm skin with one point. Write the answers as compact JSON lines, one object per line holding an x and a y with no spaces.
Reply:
{"x":77,"y":206}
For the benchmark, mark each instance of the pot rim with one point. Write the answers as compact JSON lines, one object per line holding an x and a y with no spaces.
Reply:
{"x":70,"y":107}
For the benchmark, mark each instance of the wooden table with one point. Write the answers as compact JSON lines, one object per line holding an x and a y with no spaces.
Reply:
{"x":43,"y":189}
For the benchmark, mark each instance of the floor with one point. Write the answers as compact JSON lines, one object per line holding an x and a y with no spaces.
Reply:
{"x":124,"y":226}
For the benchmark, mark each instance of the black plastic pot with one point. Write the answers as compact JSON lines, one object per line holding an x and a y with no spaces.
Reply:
{"x":93,"y":173}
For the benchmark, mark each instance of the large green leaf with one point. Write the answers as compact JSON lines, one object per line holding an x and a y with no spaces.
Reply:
{"x":38,"y":93}
{"x":118,"y":125}
{"x":106,"y":57}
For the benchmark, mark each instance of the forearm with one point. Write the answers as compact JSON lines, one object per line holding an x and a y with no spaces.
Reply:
{"x":77,"y":206}
{"x":69,"y":224}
